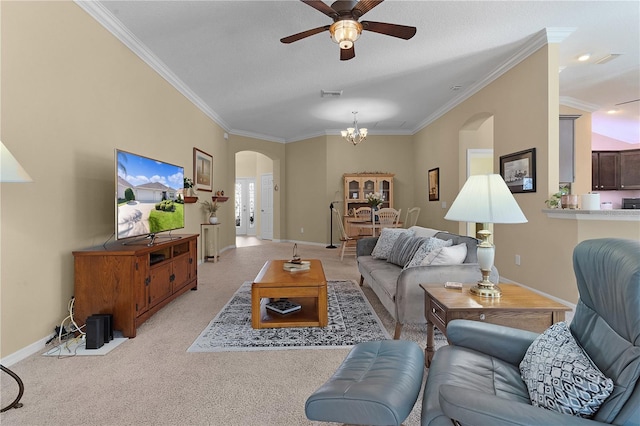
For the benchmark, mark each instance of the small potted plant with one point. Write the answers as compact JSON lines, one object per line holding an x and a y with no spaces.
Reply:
{"x":555,"y":202}
{"x":190,"y":193}
{"x":210,"y":209}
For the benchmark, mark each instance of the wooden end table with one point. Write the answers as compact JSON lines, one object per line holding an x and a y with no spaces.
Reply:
{"x":518,"y":307}
{"x":307,"y":288}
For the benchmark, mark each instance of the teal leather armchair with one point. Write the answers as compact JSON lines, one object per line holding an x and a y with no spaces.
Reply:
{"x":476,"y":379}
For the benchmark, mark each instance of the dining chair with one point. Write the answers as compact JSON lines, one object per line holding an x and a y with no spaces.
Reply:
{"x":388,"y":218}
{"x":363,"y":213}
{"x":348,"y":242}
{"x":412,"y":217}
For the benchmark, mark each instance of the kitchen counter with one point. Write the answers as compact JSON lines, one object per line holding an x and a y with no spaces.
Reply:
{"x":611,"y":215}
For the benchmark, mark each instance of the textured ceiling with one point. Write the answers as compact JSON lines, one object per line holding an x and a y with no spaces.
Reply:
{"x":227,"y":57}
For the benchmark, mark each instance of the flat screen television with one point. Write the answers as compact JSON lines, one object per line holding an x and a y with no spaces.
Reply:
{"x":149,"y":196}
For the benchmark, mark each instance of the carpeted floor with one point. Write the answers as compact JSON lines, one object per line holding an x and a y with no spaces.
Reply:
{"x":152,"y":380}
{"x":351,"y":321}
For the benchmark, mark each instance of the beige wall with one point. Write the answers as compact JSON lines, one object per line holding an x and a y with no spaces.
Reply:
{"x":517,"y":125}
{"x":71,"y":93}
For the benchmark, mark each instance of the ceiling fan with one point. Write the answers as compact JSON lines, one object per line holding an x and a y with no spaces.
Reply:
{"x":346,"y":29}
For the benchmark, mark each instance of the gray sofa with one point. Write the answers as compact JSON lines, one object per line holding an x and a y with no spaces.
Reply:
{"x":399,"y":290}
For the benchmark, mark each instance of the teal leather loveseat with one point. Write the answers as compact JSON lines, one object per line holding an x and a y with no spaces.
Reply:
{"x":476,"y":380}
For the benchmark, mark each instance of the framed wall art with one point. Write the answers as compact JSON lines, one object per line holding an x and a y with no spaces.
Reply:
{"x":519,"y":170}
{"x":434,"y":184}
{"x":202,"y":170}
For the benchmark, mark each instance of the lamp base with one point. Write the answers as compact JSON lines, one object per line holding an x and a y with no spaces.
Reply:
{"x":486,"y":289}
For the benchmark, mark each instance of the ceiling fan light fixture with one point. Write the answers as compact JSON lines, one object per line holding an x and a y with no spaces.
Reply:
{"x":345,"y":32}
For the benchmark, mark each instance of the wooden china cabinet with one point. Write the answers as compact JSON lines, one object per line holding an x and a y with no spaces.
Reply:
{"x":358,"y":185}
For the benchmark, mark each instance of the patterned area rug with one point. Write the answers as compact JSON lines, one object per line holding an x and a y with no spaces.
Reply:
{"x":351,"y":321}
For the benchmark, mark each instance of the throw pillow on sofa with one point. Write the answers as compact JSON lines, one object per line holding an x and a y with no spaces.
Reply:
{"x":453,"y":255}
{"x":430,"y":244}
{"x":385,"y":242}
{"x":561,"y":377}
{"x":404,"y":248}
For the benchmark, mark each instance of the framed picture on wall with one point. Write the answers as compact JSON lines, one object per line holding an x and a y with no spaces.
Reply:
{"x":434,"y":184}
{"x":519,"y":170}
{"x":202,"y":170}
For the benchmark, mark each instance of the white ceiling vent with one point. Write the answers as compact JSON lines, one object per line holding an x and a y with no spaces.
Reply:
{"x":609,"y":57}
{"x":330,"y":93}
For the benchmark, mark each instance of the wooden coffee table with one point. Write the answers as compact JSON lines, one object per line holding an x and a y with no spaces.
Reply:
{"x":307,"y":288}
{"x":518,"y":307}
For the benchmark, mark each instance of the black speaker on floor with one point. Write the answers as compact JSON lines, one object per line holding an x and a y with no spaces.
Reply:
{"x":95,"y":332}
{"x":108,"y":326}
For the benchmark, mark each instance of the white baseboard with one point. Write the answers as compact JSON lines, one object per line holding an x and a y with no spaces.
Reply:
{"x":25,"y":352}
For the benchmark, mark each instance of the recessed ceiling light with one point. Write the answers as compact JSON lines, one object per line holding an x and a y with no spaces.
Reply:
{"x":613,"y":111}
{"x":584,"y":57}
{"x":561,"y":69}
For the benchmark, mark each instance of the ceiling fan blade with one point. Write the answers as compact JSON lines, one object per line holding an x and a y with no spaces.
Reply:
{"x":346,"y":54}
{"x":322,"y":7}
{"x":364,"y":6}
{"x":304,"y":34}
{"x":394,"y":30}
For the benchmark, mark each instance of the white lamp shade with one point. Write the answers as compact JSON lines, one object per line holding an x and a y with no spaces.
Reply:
{"x":10,"y":169}
{"x":485,"y":199}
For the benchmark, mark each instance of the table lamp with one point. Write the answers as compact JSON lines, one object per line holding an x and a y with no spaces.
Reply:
{"x":485,"y":199}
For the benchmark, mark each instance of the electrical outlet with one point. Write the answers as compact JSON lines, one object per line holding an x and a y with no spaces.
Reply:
{"x":302,"y":230}
{"x":444,"y":204}
{"x":518,"y":259}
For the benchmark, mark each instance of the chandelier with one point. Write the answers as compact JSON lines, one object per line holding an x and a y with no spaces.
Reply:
{"x":353,"y":134}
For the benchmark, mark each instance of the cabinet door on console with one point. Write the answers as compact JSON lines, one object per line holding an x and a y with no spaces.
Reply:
{"x":160,"y":284}
{"x":141,"y":283}
{"x":181,"y":271}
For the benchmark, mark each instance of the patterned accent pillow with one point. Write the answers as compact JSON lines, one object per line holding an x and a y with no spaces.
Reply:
{"x":403,"y":249}
{"x":453,"y":255}
{"x":431,"y":243}
{"x":387,"y":238}
{"x":561,"y":377}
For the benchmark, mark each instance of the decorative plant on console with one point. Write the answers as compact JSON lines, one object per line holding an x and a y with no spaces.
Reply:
{"x":210,"y":208}
{"x":189,"y":192}
{"x":555,"y":201}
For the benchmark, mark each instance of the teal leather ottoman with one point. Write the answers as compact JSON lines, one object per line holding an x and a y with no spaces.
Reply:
{"x":377,"y":384}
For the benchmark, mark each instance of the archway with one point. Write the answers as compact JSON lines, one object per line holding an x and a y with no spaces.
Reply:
{"x":253,"y":195}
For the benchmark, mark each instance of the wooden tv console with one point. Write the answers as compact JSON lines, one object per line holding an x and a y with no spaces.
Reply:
{"x":132,"y":281}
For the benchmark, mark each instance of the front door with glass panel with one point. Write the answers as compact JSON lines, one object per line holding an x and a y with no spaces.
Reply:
{"x":245,"y":207}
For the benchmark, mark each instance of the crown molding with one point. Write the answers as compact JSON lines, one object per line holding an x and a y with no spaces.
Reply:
{"x":112,"y":24}
{"x":252,"y":135}
{"x":105,"y":18}
{"x":578,"y":104}
{"x":538,"y":40}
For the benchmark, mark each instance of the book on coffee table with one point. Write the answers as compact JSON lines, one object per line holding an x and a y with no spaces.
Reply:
{"x":283,"y":306}
{"x":303,"y":265}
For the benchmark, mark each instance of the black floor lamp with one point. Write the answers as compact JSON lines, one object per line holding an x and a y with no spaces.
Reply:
{"x":331,"y":246}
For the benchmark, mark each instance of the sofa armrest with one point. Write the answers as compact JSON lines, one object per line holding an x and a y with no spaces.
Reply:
{"x":409,"y":297}
{"x":506,"y":343}
{"x":365,"y":246}
{"x":475,"y":408}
